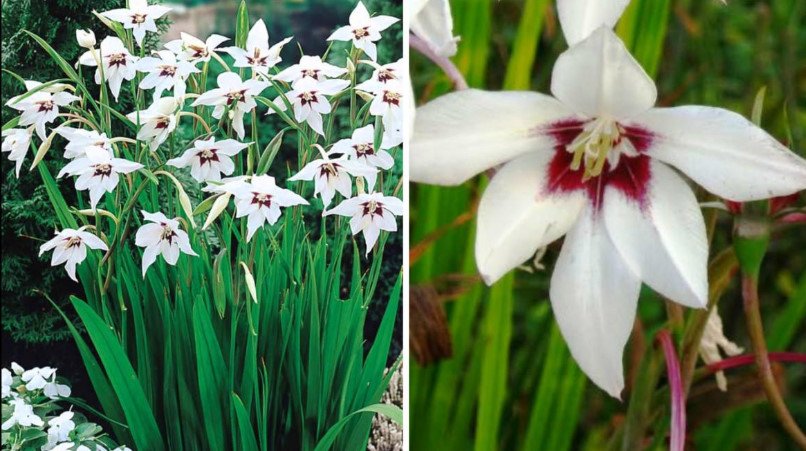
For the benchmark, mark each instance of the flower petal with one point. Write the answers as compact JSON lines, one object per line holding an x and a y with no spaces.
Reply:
{"x":463,"y":133}
{"x":594,"y":295}
{"x":580,"y":18}
{"x":599,"y":77}
{"x":434,"y":24}
{"x":516,"y":216}
{"x":724,"y":152}
{"x":665,"y":242}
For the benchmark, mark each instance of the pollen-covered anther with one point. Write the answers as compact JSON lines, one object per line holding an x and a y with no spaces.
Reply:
{"x":601,"y":140}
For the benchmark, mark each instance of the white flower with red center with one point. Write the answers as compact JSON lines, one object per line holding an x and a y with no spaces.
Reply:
{"x":17,"y":141}
{"x":431,"y":21}
{"x":382,"y":74}
{"x":369,"y":214}
{"x":234,"y":96}
{"x":165,"y":73}
{"x":260,"y":200}
{"x":333,"y":175}
{"x":192,"y":49}
{"x":138,"y":17}
{"x":70,"y":248}
{"x":98,"y":171}
{"x":157,"y":121}
{"x":79,"y":140}
{"x":308,"y":98}
{"x":161,"y":236}
{"x":209,"y":159}
{"x":118,"y":64}
{"x":361,"y":147}
{"x":364,"y":30}
{"x":595,"y":164}
{"x":388,"y":102}
{"x":258,"y":56}
{"x":41,"y":107}
{"x":310,"y":67}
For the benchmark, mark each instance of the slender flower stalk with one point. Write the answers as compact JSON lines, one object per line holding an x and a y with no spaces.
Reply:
{"x":678,"y":429}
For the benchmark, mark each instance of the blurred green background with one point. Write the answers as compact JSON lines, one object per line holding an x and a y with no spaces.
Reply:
{"x":506,"y":380}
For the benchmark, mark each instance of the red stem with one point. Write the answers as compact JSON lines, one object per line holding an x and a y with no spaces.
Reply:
{"x":748,"y":359}
{"x":445,"y":64}
{"x":678,"y":429}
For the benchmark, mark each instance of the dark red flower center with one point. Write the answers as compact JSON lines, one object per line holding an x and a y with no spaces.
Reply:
{"x":208,"y":155}
{"x":262,"y":199}
{"x":362,"y":150}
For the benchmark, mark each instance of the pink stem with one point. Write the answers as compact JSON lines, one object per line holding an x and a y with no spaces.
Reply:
{"x":748,"y":359}
{"x":444,"y":63}
{"x":678,"y":433}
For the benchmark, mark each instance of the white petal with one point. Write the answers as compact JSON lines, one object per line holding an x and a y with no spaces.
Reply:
{"x":664,"y":242}
{"x":517,"y":216}
{"x":594,"y":296}
{"x":463,"y":133}
{"x":149,"y":256}
{"x":580,"y":18}
{"x":344,"y":33}
{"x":434,"y":24}
{"x":724,"y":152}
{"x":599,"y":77}
{"x":371,"y":233}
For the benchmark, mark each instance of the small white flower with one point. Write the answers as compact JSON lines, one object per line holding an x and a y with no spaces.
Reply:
{"x":70,"y":247}
{"x":193,"y":49}
{"x":361,"y":147}
{"x":41,"y":107}
{"x":23,"y":415}
{"x":431,"y":21}
{"x":165,"y":73}
{"x":713,"y":338}
{"x":227,"y":185}
{"x":157,"y":121}
{"x":388,"y":103}
{"x":79,"y":140}
{"x":118,"y":63}
{"x":370,"y":213}
{"x":17,"y":369}
{"x":36,"y":378}
{"x":98,"y":171}
{"x":333,"y":175}
{"x":364,"y":30}
{"x":383,"y":74}
{"x":209,"y":159}
{"x":309,"y":101}
{"x":8,"y":379}
{"x":139,"y":18}
{"x":60,"y":428}
{"x":161,"y":236}
{"x":311,"y":67}
{"x":258,"y":55}
{"x":85,"y":38}
{"x":235,"y":95}
{"x":261,"y":201}
{"x":17,"y":141}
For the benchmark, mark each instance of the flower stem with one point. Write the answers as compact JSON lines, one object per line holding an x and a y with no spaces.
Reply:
{"x":445,"y":64}
{"x":678,"y":429}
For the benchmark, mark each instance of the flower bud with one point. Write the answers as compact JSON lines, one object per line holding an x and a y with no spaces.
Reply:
{"x":85,"y":38}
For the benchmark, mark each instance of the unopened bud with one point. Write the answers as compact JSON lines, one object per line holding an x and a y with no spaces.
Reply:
{"x":85,"y":38}
{"x":350,"y":67}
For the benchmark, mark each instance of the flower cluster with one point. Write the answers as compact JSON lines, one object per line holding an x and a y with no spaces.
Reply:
{"x":32,"y":419}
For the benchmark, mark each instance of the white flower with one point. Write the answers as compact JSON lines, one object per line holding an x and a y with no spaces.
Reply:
{"x":431,"y":21}
{"x":209,"y":159}
{"x":383,"y":74}
{"x":361,"y":147}
{"x":70,"y":247}
{"x":332,"y":175}
{"x":258,"y":55}
{"x":309,"y":101}
{"x":79,"y":140}
{"x":85,"y":38}
{"x":580,"y":18}
{"x":363,"y":30}
{"x":311,"y":67}
{"x":17,"y":369}
{"x":60,"y":428}
{"x":235,"y":95}
{"x":157,"y":121}
{"x":193,"y":49}
{"x":98,"y":171}
{"x":165,"y":73}
{"x":8,"y":379}
{"x":713,"y":338}
{"x":594,"y":163}
{"x":370,"y":213}
{"x":41,"y":107}
{"x":161,"y":236}
{"x":139,"y":18}
{"x":388,"y":103}
{"x":227,"y":185}
{"x":118,"y":63}
{"x":23,"y":415}
{"x":17,"y":141}
{"x":261,"y":200}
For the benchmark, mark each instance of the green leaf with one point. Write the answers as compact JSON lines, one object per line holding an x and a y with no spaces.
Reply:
{"x":241,"y":25}
{"x":245,"y":431}
{"x":389,"y":410}
{"x":212,"y":373}
{"x":270,"y":152}
{"x":64,"y":65}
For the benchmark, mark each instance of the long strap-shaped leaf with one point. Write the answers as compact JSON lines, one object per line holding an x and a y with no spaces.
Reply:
{"x":391,"y":411}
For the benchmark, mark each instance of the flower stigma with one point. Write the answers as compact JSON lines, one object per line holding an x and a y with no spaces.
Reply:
{"x":599,"y":142}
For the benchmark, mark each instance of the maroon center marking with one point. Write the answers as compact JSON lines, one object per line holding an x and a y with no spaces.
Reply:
{"x":138,"y":18}
{"x":329,"y":170}
{"x":362,"y":150}
{"x":45,"y":105}
{"x":167,"y":70}
{"x":631,"y":176}
{"x":262,"y":199}
{"x":198,"y":52}
{"x":236,"y":96}
{"x":168,"y":233}
{"x":392,"y":98}
{"x":306,"y":98}
{"x":102,"y":170}
{"x":162,"y":123}
{"x":208,"y":155}
{"x":361,"y":32}
{"x":369,"y":211}
{"x":312,"y":73}
{"x":256,"y":59}
{"x":117,"y":59}
{"x":385,"y":75}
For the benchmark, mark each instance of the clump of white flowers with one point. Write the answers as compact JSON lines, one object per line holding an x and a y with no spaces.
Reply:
{"x":34,"y":419}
